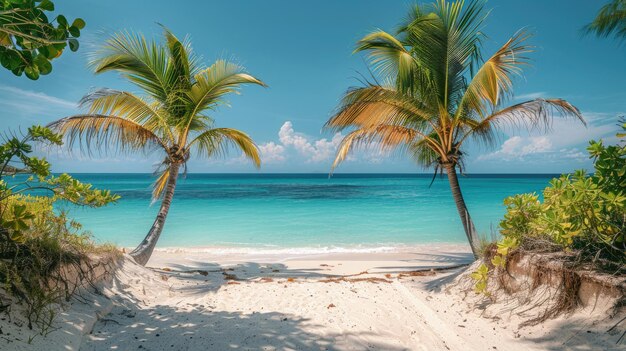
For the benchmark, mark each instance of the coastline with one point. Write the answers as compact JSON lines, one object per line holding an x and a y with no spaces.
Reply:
{"x":357,"y":258}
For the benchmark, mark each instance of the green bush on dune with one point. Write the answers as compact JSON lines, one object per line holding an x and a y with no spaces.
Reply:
{"x":582,"y":214}
{"x":37,"y":241}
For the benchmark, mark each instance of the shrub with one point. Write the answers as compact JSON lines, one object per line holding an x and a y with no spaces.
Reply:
{"x":37,"y":241}
{"x":581,"y":214}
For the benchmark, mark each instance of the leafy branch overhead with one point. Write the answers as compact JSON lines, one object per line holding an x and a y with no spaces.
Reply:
{"x":29,"y":40}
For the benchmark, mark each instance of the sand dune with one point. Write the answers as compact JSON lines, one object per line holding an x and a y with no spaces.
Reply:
{"x":334,"y":302}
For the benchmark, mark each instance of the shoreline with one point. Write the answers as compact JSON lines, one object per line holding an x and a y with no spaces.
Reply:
{"x":400,"y":258}
{"x":270,"y":249}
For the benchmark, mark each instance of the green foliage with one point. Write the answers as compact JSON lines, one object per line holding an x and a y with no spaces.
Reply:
{"x":36,"y":240}
{"x":580,"y":213}
{"x":15,"y":159}
{"x":610,"y":20}
{"x":521,"y":210}
{"x":481,"y":275}
{"x":29,"y":40}
{"x":30,"y":268}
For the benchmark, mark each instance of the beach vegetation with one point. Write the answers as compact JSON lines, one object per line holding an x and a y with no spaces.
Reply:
{"x":432,"y":92}
{"x":173,"y":117}
{"x":38,"y":241}
{"x":582,"y":215}
{"x":30,"y":39}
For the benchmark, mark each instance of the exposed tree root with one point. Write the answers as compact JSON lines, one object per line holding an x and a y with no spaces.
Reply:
{"x":549,"y":283}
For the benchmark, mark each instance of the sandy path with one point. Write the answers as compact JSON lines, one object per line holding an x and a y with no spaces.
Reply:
{"x":255,"y":315}
{"x":314,"y":302}
{"x":336,"y":302}
{"x":268,"y":307}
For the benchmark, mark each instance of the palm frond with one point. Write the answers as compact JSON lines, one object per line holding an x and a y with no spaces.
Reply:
{"x":461,"y":39}
{"x":111,"y":102}
{"x":445,"y":42}
{"x":142,"y":62}
{"x":532,"y":115}
{"x":493,"y":81}
{"x":423,"y":154}
{"x":183,"y":65}
{"x":378,"y":138}
{"x":217,"y":141}
{"x":375,"y":105}
{"x":389,"y":57}
{"x":212,"y":83}
{"x":163,"y":176}
{"x":610,"y":20}
{"x":178,"y":70}
{"x":106,"y":133}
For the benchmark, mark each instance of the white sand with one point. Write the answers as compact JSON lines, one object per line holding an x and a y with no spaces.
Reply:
{"x":315,"y":302}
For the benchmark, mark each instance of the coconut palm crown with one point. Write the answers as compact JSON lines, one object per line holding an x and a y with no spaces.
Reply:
{"x":174,"y":116}
{"x":432,"y":93}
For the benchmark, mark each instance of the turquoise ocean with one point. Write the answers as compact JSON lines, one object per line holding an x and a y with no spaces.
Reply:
{"x":301,"y":212}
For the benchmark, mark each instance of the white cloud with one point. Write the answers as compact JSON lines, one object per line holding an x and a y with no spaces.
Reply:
{"x":290,"y":143}
{"x":36,"y":98}
{"x":574,"y":154}
{"x":565,"y":140}
{"x":517,"y":147}
{"x":272,"y":152}
{"x":31,"y":107}
{"x":531,"y":96}
{"x":314,"y":151}
{"x":32,"y":102}
{"x":536,"y":145}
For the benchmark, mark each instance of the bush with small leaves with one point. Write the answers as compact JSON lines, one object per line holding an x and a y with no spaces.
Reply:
{"x":582,"y":214}
{"x":35,"y":239}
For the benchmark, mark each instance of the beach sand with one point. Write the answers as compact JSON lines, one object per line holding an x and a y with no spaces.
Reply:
{"x":341,"y":301}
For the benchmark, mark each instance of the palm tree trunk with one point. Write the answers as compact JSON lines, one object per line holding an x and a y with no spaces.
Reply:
{"x":468,"y":224}
{"x":143,"y":251}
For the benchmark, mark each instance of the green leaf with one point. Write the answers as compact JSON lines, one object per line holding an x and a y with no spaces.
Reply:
{"x":62,"y":21}
{"x":78,"y":23}
{"x":10,"y":59}
{"x":45,"y":67}
{"x":18,"y":237}
{"x":46,"y":5}
{"x":32,"y":72}
{"x":73,"y":44}
{"x":74,"y":31}
{"x":498,"y":261}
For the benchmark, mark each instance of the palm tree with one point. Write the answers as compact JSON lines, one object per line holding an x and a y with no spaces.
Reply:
{"x":432,"y":93}
{"x":611,"y":20}
{"x":173,"y":116}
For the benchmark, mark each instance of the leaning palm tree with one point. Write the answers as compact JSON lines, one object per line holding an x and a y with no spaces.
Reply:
{"x":174,"y":115}
{"x":610,"y":20}
{"x":431,"y":93}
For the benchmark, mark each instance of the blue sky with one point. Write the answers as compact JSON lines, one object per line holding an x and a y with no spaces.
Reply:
{"x":303,"y":51}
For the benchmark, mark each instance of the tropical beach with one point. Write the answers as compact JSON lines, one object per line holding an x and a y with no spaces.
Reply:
{"x":393,"y":177}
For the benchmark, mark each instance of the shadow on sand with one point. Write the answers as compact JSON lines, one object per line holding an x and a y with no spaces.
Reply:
{"x":206,"y":330}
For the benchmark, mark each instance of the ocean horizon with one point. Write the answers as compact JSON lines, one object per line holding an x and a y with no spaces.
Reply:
{"x":296,"y":213}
